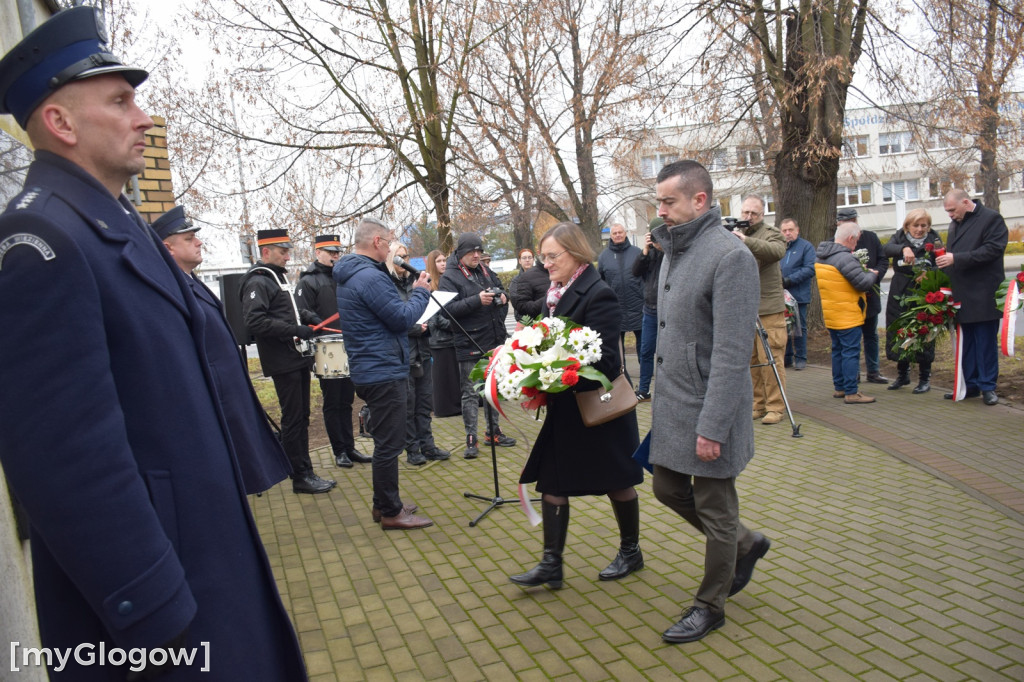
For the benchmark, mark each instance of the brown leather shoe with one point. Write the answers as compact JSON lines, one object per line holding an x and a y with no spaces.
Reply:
{"x":838,"y":394}
{"x":375,"y":513}
{"x":405,"y":521}
{"x":858,"y":399}
{"x":772,"y":418}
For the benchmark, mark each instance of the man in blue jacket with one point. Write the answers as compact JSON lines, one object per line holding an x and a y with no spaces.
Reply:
{"x":797,"y":273}
{"x":376,"y":322}
{"x":112,"y":434}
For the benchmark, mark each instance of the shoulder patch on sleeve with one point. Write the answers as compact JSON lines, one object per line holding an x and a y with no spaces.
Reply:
{"x":28,"y":240}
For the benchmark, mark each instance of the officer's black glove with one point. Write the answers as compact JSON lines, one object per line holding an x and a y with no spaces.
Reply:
{"x":787,"y":282}
{"x":304,"y":332}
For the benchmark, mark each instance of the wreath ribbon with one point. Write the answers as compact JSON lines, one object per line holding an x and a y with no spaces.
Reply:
{"x":1009,"y":319}
{"x":959,"y":389}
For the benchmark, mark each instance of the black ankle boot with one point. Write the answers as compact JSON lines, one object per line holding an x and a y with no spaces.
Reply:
{"x":549,"y":570}
{"x":924,"y":384}
{"x":902,"y":377}
{"x":629,"y":558}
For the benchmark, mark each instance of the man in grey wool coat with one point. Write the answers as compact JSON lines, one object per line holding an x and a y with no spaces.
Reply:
{"x":702,"y":438}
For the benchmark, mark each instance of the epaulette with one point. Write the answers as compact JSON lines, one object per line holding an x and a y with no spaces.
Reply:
{"x":31,"y":198}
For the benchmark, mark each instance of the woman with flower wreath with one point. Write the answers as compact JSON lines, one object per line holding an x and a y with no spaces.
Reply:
{"x":568,"y":458}
{"x":912,"y":246}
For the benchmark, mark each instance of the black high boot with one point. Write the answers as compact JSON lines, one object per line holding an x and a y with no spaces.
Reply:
{"x":902,"y":377}
{"x":629,"y":558}
{"x":549,"y":570}
{"x":924,"y":384}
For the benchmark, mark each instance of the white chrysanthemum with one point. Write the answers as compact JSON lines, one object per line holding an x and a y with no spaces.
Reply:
{"x":508,"y":387}
{"x":589,"y":355}
{"x":556,"y":325}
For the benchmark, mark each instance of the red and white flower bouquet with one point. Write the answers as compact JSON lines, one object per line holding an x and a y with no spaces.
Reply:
{"x":549,"y":355}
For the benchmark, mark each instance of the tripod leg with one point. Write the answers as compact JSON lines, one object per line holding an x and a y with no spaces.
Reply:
{"x":762,"y":333}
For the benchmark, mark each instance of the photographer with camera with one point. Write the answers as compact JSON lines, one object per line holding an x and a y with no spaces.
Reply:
{"x":479,"y":307}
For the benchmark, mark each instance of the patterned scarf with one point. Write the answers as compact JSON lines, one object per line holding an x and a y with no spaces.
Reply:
{"x":555,"y":291}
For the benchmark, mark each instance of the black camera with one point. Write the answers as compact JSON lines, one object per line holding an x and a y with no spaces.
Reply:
{"x":733,"y":224}
{"x":497,"y":295}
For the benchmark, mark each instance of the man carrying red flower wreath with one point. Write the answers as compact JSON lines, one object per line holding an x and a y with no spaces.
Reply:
{"x":974,"y":262}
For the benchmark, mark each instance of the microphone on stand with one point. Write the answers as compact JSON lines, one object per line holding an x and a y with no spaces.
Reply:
{"x":412,"y":269}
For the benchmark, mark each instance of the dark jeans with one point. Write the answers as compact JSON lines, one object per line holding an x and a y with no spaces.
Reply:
{"x":418,"y":436}
{"x":870,"y":331}
{"x":980,"y":361}
{"x":387,"y":402}
{"x":293,"y":393}
{"x":338,"y":394}
{"x":845,"y":359}
{"x":647,"y":347}
{"x":471,"y":401}
{"x":796,"y":347}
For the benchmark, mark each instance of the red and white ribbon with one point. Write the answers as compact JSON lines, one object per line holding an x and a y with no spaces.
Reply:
{"x":959,"y":389}
{"x":524,"y":501}
{"x":491,"y":384}
{"x":1009,"y":319}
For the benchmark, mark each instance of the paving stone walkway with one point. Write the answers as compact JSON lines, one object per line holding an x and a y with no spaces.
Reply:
{"x":898,"y":554}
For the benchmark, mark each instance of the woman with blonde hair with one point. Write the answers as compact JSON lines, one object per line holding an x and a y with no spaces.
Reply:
{"x":907,"y":248}
{"x":570,"y":459}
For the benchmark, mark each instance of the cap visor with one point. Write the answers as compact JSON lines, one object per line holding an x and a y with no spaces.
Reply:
{"x":134,"y":76}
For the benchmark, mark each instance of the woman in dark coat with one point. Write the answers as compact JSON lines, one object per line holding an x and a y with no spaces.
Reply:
{"x":907,"y":246}
{"x":444,"y":368}
{"x":529,"y":288}
{"x":568,"y":458}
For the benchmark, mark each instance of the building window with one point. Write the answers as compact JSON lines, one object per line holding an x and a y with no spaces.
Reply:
{"x":725,"y":203}
{"x":650,"y":165}
{"x":938,"y":139}
{"x":719,"y":160}
{"x":939,"y":187}
{"x":899,"y":190}
{"x":894,"y":143}
{"x":855,"y":147}
{"x":769,"y":204}
{"x":748,"y":156}
{"x":853,"y":195}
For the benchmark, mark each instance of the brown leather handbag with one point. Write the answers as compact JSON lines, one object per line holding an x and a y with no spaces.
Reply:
{"x":600,"y":406}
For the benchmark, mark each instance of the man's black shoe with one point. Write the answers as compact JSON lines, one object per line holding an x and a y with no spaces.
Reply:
{"x":358,"y":457}
{"x":500,"y":439}
{"x":642,"y":397}
{"x":695,"y":624}
{"x":745,"y":564}
{"x":971,"y":393}
{"x":436,"y":454}
{"x":311,"y":484}
{"x":471,"y":448}
{"x":989,"y":397}
{"x":416,"y":459}
{"x":341,"y":459}
{"x":877,"y":378}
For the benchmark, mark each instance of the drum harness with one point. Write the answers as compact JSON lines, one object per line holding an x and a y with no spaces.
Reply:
{"x":303,"y":346}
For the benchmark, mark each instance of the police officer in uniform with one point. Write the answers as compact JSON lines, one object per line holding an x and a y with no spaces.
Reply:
{"x":273,"y":317}
{"x":111,"y":432}
{"x":260,"y":458}
{"x":318,"y":293}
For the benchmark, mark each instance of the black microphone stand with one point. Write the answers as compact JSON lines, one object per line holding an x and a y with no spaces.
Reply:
{"x":495,"y":500}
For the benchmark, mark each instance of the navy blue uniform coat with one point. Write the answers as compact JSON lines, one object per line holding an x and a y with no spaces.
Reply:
{"x":112,"y":437}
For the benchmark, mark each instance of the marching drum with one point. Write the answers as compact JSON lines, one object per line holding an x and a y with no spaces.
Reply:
{"x":330,"y":360}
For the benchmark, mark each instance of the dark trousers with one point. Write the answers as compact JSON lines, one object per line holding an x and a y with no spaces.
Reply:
{"x":471,"y":401}
{"x":796,"y":346}
{"x":338,"y":395}
{"x":712,"y":506}
{"x":418,"y":435}
{"x":870,"y":331}
{"x":980,"y":361}
{"x":647,"y":348}
{"x":387,"y":402}
{"x":293,"y":393}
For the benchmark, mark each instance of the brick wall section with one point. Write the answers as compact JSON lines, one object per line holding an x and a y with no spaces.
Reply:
{"x":155,"y":181}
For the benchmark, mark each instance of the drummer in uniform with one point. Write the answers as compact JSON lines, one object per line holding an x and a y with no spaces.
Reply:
{"x":280,"y":327}
{"x":318,"y":293}
{"x":261,"y":460}
{"x":111,"y":435}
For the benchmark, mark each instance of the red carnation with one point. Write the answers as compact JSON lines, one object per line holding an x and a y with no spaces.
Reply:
{"x":543,"y":327}
{"x":514,"y":368}
{"x":1020,"y":278}
{"x":923,"y":330}
{"x":530,"y":391}
{"x":570,"y":377}
{"x":950,"y":312}
{"x":937,"y":319}
{"x":516,"y":346}
{"x":929,"y":247}
{"x":922,"y":316}
{"x":575,"y":366}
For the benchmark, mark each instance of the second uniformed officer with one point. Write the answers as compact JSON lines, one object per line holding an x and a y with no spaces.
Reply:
{"x":271,"y":315}
{"x":318,"y":293}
